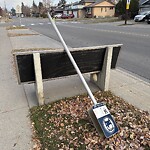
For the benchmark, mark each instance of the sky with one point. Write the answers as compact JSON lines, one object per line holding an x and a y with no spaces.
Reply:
{"x":13,"y":3}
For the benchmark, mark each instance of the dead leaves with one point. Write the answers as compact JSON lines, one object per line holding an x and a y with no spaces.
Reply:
{"x":65,"y":125}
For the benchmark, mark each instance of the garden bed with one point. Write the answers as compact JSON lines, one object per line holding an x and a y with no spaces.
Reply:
{"x":66,"y":125}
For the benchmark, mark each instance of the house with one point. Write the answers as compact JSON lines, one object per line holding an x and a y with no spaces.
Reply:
{"x":76,"y":9}
{"x":101,"y":8}
{"x":144,"y":5}
{"x":91,"y":8}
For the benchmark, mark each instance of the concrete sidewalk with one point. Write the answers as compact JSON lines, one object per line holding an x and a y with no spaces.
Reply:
{"x":15,"y":100}
{"x":15,"y":132}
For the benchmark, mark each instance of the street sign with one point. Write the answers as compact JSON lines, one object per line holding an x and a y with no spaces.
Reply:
{"x":127,"y":4}
{"x":103,"y":118}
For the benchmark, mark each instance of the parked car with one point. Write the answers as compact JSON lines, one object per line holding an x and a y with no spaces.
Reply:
{"x":141,"y":16}
{"x":71,"y":15}
{"x":67,"y":16}
{"x":57,"y":16}
{"x":147,"y":18}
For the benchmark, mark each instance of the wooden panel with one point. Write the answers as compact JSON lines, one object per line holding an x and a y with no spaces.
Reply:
{"x":57,"y":64}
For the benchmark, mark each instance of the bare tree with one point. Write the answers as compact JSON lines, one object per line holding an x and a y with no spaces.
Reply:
{"x":34,"y":8}
{"x":1,"y":11}
{"x":47,"y":3}
{"x":25,"y":10}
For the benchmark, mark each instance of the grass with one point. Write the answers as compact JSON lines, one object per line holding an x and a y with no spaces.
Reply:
{"x":95,"y":20}
{"x":18,"y":34}
{"x":66,"y":125}
{"x":16,"y":27}
{"x":92,"y":20}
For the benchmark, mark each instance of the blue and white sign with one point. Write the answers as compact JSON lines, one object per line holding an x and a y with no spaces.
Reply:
{"x":105,"y":120}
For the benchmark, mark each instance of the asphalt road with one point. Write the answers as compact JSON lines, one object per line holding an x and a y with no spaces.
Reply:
{"x":135,"y":53}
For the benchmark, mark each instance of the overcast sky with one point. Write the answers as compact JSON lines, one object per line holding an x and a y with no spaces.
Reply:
{"x":13,"y":3}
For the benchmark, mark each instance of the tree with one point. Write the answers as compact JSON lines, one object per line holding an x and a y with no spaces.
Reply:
{"x":121,"y":8}
{"x":22,"y":8}
{"x":25,"y":10}
{"x":47,"y":3}
{"x":1,"y":11}
{"x":61,"y":2}
{"x":34,"y":8}
{"x":41,"y":8}
{"x":13,"y":12}
{"x":134,"y":5}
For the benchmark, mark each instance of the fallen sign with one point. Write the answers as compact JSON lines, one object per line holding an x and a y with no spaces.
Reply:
{"x":38,"y":65}
{"x":107,"y":122}
{"x":103,"y":120}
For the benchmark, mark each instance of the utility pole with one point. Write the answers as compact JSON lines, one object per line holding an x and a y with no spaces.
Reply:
{"x":127,"y":8}
{"x":126,"y":16}
{"x":4,"y":4}
{"x":5,"y":12}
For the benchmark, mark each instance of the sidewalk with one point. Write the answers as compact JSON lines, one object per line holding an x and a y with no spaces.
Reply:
{"x":15,"y":100}
{"x":15,"y":132}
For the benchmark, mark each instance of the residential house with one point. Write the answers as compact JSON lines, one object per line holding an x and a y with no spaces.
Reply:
{"x":76,"y":9}
{"x":91,"y":8}
{"x":101,"y":8}
{"x":144,"y":5}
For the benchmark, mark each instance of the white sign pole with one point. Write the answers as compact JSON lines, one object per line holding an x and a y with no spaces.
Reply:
{"x":101,"y":116}
{"x":73,"y":61}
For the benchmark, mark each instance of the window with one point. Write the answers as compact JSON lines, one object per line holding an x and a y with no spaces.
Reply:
{"x":101,"y":9}
{"x":89,"y":10}
{"x":111,"y":8}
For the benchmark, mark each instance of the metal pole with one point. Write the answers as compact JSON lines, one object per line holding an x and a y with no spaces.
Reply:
{"x":126,"y":16}
{"x":72,"y":60}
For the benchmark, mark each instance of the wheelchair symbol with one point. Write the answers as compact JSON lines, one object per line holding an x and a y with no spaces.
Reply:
{"x":108,"y":124}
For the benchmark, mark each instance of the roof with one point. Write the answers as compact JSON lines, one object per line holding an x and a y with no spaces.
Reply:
{"x":88,"y":1}
{"x":97,"y":2}
{"x":141,"y":2}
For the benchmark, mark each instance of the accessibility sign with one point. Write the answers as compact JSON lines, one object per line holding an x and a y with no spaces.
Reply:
{"x":105,"y":120}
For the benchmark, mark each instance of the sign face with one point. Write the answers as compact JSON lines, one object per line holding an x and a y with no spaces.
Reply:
{"x":105,"y":120}
{"x":128,"y":4}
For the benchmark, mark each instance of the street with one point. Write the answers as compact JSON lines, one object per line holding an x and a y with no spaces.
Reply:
{"x":135,"y":53}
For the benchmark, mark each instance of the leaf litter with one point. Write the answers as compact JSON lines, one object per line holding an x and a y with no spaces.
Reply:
{"x":66,"y":125}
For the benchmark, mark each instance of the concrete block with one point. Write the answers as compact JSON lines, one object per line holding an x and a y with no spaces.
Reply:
{"x":102,"y":78}
{"x":38,"y":78}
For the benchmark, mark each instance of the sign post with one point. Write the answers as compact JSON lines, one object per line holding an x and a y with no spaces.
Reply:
{"x":101,"y":116}
{"x":127,"y":8}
